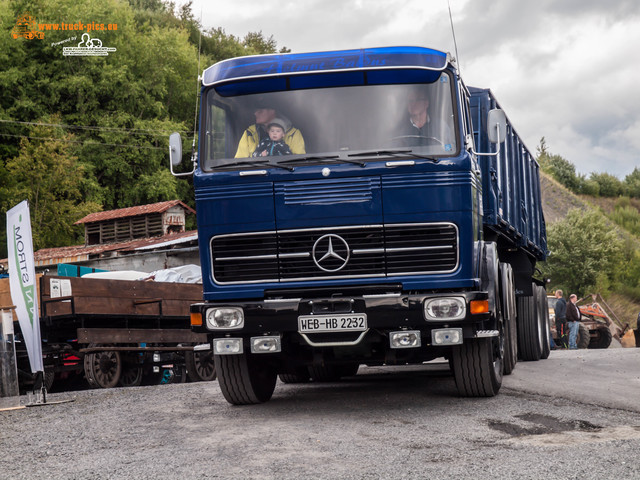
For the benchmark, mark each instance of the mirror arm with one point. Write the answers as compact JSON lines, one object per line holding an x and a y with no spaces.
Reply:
{"x":494,"y":154}
{"x":194,"y":161}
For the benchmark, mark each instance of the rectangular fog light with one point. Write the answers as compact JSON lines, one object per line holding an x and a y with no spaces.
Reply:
{"x":266,"y":344}
{"x":227,"y":346}
{"x":447,"y":336}
{"x":405,"y":339}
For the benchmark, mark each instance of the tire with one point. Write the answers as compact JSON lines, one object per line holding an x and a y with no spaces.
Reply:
{"x":348,"y":369}
{"x":296,"y":375}
{"x":132,"y":371}
{"x":200,"y":366}
{"x":507,"y":295}
{"x":131,"y":376}
{"x":324,"y":373}
{"x":103,"y":369}
{"x":584,"y":337}
{"x":477,"y":367}
{"x":603,"y":340}
{"x":49,"y":377}
{"x":529,"y":344}
{"x":243,"y":380}
{"x":543,"y":318}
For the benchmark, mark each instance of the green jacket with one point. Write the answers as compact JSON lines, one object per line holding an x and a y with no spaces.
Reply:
{"x":250,"y":140}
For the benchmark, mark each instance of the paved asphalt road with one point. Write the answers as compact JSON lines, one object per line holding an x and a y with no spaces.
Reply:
{"x":573,"y":416}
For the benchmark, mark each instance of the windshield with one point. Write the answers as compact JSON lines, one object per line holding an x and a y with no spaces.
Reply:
{"x":319,"y":125}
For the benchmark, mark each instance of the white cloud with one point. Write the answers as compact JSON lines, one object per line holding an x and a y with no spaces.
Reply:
{"x":562,"y":69}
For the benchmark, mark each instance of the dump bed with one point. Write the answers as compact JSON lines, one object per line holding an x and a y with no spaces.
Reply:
{"x":510,"y":182}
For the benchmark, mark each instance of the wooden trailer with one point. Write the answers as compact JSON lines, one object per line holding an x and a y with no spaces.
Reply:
{"x":115,"y":332}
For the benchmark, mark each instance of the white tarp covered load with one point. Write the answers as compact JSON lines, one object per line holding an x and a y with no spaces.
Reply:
{"x":181,"y":274}
{"x":22,"y":281}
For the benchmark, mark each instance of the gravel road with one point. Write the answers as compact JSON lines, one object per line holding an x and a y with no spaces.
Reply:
{"x":380,"y":424}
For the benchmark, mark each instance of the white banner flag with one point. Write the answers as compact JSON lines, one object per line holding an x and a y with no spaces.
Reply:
{"x":22,"y":279}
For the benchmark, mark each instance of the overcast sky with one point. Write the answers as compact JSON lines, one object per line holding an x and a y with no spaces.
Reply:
{"x":568,"y":70}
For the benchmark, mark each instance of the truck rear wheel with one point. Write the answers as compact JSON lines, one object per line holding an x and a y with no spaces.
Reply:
{"x":324,"y":373}
{"x":295,"y":375}
{"x":509,"y":318}
{"x":477,"y":367}
{"x":529,"y":344}
{"x":243,"y":380}
{"x":543,"y":318}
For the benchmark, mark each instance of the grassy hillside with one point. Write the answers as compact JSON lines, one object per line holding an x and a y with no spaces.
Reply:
{"x":557,"y":200}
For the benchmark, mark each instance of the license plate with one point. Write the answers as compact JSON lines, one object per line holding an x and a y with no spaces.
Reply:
{"x":354,"y":322}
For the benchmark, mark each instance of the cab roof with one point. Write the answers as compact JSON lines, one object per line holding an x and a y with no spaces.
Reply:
{"x":278,"y":65}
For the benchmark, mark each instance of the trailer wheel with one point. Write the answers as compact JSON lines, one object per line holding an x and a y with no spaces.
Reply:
{"x":132,"y":371}
{"x":243,"y":380}
{"x":200,"y":366}
{"x":603,"y":340}
{"x":477,"y":367}
{"x":584,"y":337}
{"x":102,"y":369}
{"x":508,"y":300}
{"x":529,"y":344}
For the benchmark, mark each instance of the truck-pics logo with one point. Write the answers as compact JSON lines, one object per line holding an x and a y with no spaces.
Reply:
{"x":90,"y":47}
{"x":26,"y":27}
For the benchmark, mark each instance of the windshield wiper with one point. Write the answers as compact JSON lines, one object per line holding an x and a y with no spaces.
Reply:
{"x":324,"y":157}
{"x":309,"y":158}
{"x":255,"y":163}
{"x":393,"y":153}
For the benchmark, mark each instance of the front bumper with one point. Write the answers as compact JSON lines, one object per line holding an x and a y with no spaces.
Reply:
{"x":384,"y":312}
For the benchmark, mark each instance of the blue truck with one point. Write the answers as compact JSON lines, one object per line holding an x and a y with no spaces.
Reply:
{"x":402,"y":225}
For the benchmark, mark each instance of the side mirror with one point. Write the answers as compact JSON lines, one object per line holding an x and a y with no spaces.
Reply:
{"x":175,"y":155}
{"x":175,"y":149}
{"x":497,"y":125}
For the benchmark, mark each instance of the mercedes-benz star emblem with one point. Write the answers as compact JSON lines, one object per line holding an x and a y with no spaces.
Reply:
{"x":331,"y":253}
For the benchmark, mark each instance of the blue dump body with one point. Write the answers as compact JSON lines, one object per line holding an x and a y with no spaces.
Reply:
{"x":387,"y":233}
{"x":510,"y":182}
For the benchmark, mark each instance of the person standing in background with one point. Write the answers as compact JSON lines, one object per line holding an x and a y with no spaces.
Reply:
{"x":560,"y":310}
{"x":573,"y":320}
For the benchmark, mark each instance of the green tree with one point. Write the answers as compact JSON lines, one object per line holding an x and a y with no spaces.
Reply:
{"x":632,"y":183}
{"x":53,"y":182}
{"x":117,"y":111}
{"x":558,"y":167}
{"x":585,"y":252}
{"x":610,"y":186}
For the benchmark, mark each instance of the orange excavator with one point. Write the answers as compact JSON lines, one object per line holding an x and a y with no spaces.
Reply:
{"x":602,"y":328}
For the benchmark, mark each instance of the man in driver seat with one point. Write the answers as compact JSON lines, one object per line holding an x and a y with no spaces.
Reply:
{"x":256,"y":133}
{"x":420,"y":129}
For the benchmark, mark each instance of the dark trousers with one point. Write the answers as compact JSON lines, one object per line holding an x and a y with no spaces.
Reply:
{"x":562,"y":330}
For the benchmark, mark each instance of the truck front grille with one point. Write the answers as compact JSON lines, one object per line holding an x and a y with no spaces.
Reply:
{"x":335,"y":252}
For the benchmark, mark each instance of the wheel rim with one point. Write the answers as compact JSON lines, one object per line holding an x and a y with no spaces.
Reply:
{"x":106,"y":368}
{"x":204,"y":365}
{"x":131,"y":377}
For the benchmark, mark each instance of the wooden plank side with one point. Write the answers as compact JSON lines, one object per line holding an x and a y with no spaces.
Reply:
{"x":121,"y":335}
{"x":5,"y":292}
{"x":121,"y":297}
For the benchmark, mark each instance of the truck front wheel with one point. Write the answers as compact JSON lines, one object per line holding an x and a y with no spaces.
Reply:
{"x":243,"y":380}
{"x":477,"y":367}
